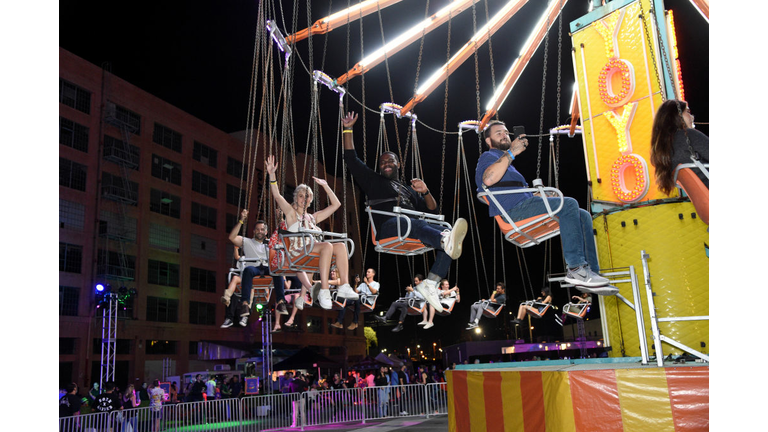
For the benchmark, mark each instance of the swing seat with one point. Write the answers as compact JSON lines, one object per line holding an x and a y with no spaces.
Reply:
{"x":448,"y":303}
{"x":402,"y":244}
{"x":304,"y":258}
{"x":367,"y":302}
{"x":415,"y":306}
{"x":538,"y":309}
{"x":337,"y":303}
{"x":531,"y":231}
{"x":297,"y":291}
{"x":576,"y":310}
{"x":261,"y":290}
{"x":491,"y":309}
{"x":691,"y":184}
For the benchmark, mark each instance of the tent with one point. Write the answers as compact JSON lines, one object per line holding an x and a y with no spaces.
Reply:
{"x":305,"y":358}
{"x":369,"y":363}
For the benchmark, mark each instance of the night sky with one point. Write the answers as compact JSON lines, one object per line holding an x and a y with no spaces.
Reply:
{"x":198,"y":56}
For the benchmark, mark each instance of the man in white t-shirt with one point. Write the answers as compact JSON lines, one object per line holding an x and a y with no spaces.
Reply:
{"x":210,"y":388}
{"x":367,"y":287}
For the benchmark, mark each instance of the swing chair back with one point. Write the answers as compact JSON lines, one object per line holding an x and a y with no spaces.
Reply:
{"x":402,"y":244}
{"x":687,"y":180}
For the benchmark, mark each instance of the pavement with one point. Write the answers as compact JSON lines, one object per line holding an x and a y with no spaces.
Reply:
{"x":408,"y":424}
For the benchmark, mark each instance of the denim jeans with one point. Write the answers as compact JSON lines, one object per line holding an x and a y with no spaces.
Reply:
{"x":355,"y":317}
{"x":576,"y":234}
{"x":430,"y":235}
{"x":250,"y":272}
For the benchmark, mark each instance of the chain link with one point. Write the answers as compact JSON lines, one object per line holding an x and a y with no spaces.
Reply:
{"x":543,"y":93}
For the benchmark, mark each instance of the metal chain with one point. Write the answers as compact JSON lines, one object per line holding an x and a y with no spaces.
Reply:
{"x":490,"y":55}
{"x":477,"y":68}
{"x":445,"y":117}
{"x":661,"y":46}
{"x":543,"y":92}
{"x":651,"y":50}
{"x":559,"y":91}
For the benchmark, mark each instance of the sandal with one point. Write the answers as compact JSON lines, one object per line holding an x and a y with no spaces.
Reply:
{"x":277,"y":330}
{"x":288,"y":325}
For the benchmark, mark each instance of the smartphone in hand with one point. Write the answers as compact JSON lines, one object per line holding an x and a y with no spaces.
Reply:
{"x":517,"y":131}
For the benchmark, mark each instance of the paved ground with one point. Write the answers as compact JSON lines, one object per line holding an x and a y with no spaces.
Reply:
{"x":414,"y":424}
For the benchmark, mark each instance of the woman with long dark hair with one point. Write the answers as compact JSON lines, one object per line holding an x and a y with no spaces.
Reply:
{"x":670,"y":138}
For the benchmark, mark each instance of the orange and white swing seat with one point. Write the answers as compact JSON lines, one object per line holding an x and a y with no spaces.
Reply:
{"x":536,"y":309}
{"x":337,"y":303}
{"x":367,"y":302}
{"x":261,"y":289}
{"x":402,"y":244}
{"x":290,"y":293}
{"x":576,"y":310}
{"x":691,"y":184}
{"x":416,"y":306}
{"x":531,"y":231}
{"x":304,"y":258}
{"x":491,"y":309}
{"x":448,"y":303}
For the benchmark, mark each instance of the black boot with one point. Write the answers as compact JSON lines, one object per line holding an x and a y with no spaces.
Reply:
{"x":398,"y":328}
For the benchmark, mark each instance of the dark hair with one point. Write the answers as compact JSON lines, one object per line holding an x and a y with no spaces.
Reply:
{"x":261,"y":221}
{"x":70,"y":387}
{"x":502,"y":285}
{"x":547,"y":291}
{"x":156,"y":383}
{"x":419,"y":276}
{"x":487,"y":130}
{"x":667,"y":121}
{"x":109,"y":386}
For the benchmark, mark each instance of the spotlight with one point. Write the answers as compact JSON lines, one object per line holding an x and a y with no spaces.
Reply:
{"x":100,"y":287}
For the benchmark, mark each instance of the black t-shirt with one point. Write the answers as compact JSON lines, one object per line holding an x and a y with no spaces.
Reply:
{"x":197,"y":388}
{"x":337,"y":385}
{"x":382,"y":193}
{"x":235,"y":388}
{"x":401,"y":376}
{"x":107,"y":402}
{"x":69,"y":404}
{"x":298,"y":385}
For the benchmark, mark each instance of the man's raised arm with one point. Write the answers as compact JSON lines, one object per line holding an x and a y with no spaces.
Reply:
{"x":237,"y":240}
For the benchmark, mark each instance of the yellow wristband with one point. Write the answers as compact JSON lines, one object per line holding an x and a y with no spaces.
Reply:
{"x":241,"y":222}
{"x":347,"y":131}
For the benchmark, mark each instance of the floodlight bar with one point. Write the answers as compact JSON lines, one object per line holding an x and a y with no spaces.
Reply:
{"x":340,"y":18}
{"x":406,"y":38}
{"x":703,"y":7}
{"x":530,"y":46}
{"x":465,"y":52}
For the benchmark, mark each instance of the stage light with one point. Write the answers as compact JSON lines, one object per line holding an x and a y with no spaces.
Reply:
{"x":259,"y":306}
{"x":100,"y":287}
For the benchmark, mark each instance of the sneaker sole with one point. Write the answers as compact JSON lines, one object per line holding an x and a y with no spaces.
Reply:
{"x":605,"y":290}
{"x":459,"y":231}
{"x":579,"y":282}
{"x":435,"y":303}
{"x":226,"y":326}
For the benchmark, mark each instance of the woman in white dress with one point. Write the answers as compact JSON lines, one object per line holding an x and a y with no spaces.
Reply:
{"x":296,"y":216}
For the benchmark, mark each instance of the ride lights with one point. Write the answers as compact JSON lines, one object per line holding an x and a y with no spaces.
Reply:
{"x":608,"y":93}
{"x":623,"y":164}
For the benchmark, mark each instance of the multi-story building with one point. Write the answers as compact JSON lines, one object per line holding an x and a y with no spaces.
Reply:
{"x":147,"y":197}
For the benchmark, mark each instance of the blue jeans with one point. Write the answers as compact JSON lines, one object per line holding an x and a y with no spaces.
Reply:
{"x":246,"y":284}
{"x":430,"y":235}
{"x":576,"y":234}
{"x":355,"y":317}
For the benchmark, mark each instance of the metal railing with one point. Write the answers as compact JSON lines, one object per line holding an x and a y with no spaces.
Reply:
{"x":272,"y":412}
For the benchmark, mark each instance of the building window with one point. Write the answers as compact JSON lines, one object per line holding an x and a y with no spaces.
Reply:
{"x":202,"y":280}
{"x":203,"y":184}
{"x":163,"y":273}
{"x":203,"y":153}
{"x":71,"y":215}
{"x":203,"y":215}
{"x":128,"y":117}
{"x":114,"y":226}
{"x":163,"y":237}
{"x":69,"y":297}
{"x":111,"y":265}
{"x":73,"y":135}
{"x":193,"y":347}
{"x":160,"y":309}
{"x":161,"y":347}
{"x":74,"y":96}
{"x":235,"y":167}
{"x":202,"y":247}
{"x":202,"y":313}
{"x":70,"y":258}
{"x":166,"y":169}
{"x":117,"y":151}
{"x":235,"y":196}
{"x":119,"y":189}
{"x":167,"y":137}
{"x":314,"y":324}
{"x":72,"y":174}
{"x":164,"y":203}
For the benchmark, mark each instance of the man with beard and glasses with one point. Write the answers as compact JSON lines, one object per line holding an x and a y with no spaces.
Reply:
{"x":496,"y":172}
{"x":384,"y":190}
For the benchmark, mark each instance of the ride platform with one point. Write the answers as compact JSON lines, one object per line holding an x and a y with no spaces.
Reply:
{"x":604,"y":394}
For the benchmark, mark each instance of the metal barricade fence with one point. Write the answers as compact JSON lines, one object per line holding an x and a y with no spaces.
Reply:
{"x":272,"y":412}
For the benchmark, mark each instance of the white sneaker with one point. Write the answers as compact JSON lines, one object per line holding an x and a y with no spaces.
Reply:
{"x":471,"y":325}
{"x":346,"y":292}
{"x":429,"y":325}
{"x":316,"y":287}
{"x":428,"y":288}
{"x":299,"y":302}
{"x":584,"y":276}
{"x":452,"y":239}
{"x":423,"y":323}
{"x":605,"y":290}
{"x":324,"y":297}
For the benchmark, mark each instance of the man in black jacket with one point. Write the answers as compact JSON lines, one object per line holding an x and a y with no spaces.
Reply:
{"x":384,"y":190}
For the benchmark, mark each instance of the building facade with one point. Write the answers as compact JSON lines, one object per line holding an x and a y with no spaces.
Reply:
{"x":147,"y":197}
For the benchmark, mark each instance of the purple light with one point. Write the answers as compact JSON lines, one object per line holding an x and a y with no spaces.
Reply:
{"x":99,"y":287}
